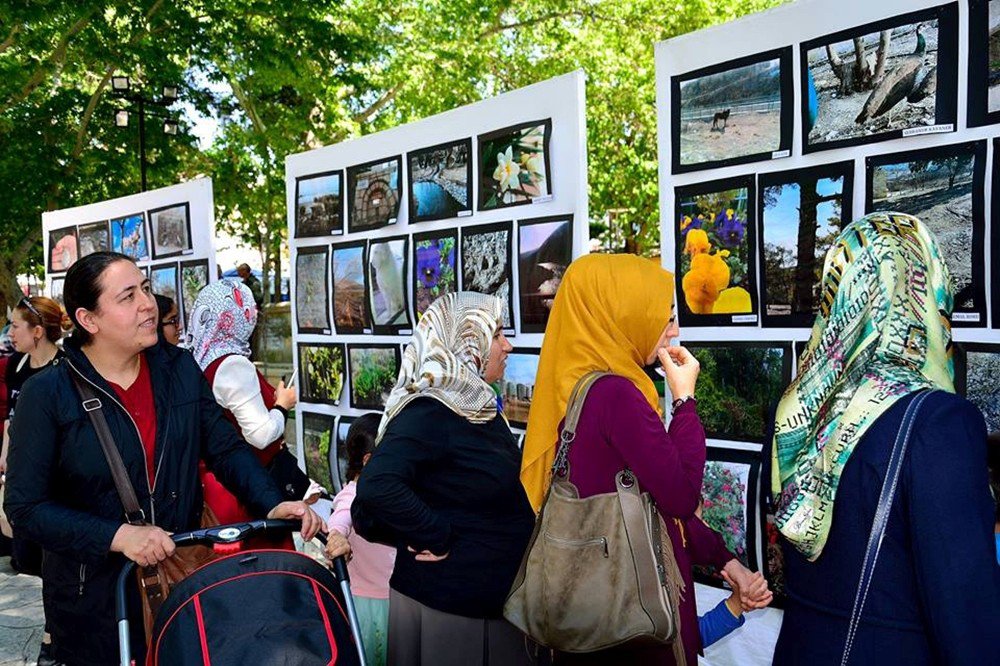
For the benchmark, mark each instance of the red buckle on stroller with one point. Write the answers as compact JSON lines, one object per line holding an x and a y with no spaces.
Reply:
{"x":227,"y":548}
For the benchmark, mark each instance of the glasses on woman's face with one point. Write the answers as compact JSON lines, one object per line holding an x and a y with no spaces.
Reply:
{"x":170,"y":322}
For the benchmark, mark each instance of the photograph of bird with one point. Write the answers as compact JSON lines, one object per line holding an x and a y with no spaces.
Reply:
{"x":905,"y":79}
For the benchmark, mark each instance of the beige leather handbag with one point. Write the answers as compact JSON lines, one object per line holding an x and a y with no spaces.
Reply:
{"x":594,"y":575}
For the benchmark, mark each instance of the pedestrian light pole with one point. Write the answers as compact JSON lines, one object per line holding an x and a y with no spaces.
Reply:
{"x":121,"y":87}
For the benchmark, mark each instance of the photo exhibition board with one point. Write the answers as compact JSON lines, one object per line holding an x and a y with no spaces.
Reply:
{"x":418,"y":228}
{"x":171,"y":231}
{"x":718,"y":128}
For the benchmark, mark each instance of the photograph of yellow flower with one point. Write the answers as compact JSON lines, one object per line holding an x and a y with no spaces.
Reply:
{"x":715,"y":252}
{"x":514,"y":165}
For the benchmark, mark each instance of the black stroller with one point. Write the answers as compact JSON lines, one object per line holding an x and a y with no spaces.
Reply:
{"x":250,"y":607}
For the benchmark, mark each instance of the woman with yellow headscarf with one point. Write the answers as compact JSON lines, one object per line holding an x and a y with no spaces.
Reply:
{"x":612,"y":313}
{"x":883,"y":336}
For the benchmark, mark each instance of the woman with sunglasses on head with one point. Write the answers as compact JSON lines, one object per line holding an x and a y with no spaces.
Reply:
{"x":163,"y":419}
{"x":169,"y":329}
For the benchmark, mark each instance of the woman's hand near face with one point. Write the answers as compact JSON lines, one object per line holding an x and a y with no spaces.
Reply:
{"x":681,"y":369}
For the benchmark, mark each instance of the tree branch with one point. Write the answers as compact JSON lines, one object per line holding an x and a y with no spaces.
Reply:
{"x":380,"y":103}
{"x":9,"y":41}
{"x":503,"y":27}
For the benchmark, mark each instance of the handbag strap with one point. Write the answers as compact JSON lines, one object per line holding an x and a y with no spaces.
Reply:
{"x":560,"y":466}
{"x":94,"y":407}
{"x":885,"y":498}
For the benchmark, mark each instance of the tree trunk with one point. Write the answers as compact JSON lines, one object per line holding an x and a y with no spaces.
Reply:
{"x":862,"y":75}
{"x":805,"y":264}
{"x":883,"y":53}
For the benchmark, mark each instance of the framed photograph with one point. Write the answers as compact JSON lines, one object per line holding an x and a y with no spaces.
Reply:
{"x":165,"y":281}
{"x":984,"y":63}
{"x":56,"y":290}
{"x":317,"y":444}
{"x":350,"y":288}
{"x":319,"y":205}
{"x":716,"y":253}
{"x":977,"y":377}
{"x":729,"y":492}
{"x":994,"y":275}
{"x":339,"y":459}
{"x":312,"y":289}
{"x":171,"y":229}
{"x":93,"y":237}
{"x":435,"y":267}
{"x":321,"y":372}
{"x":440,"y":181}
{"x":486,"y":264}
{"x":733,"y":113}
{"x":884,"y":80}
{"x":128,"y":236}
{"x":194,"y":278}
{"x":387,"y":297}
{"x":944,"y":188}
{"x":63,"y":249}
{"x":544,"y":252}
{"x":374,"y":370}
{"x":374,"y":191}
{"x":740,"y":383}
{"x":514,"y":166}
{"x":801,"y":214}
{"x":518,"y":385}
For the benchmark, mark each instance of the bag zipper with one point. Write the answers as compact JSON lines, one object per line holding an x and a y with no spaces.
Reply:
{"x":603,"y":541}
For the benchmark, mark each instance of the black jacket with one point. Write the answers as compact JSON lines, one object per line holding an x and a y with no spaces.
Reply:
{"x":60,"y":491}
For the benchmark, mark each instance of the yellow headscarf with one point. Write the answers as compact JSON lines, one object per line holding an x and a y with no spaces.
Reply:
{"x":608,"y":315}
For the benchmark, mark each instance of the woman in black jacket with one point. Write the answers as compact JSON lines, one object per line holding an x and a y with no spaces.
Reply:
{"x":163,"y":418}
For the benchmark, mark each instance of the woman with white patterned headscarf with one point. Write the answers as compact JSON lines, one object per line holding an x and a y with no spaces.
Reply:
{"x":443,"y":488}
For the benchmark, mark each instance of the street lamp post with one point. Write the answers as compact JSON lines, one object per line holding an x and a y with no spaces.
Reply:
{"x":121,"y":88}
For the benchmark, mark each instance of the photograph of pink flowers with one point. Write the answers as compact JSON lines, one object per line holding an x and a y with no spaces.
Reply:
{"x":435,"y":267}
{"x":984,"y":63}
{"x":739,"y":385}
{"x":944,"y":188}
{"x":544,"y":252}
{"x":732,"y":113}
{"x":802,"y":212}
{"x":716,"y":253}
{"x":514,"y":165}
{"x":729,"y":505}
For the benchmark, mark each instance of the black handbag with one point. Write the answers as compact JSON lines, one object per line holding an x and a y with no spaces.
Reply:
{"x":286,"y":474}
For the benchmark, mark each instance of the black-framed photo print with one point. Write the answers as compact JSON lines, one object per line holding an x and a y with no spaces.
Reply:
{"x":944,"y":188}
{"x":312,"y":289}
{"x":164,"y":279}
{"x":374,"y":190}
{"x":977,"y":377}
{"x":435,"y":267}
{"x":317,"y":444}
{"x":319,"y":205}
{"x":374,"y":370}
{"x":170,"y":227}
{"x":517,"y":387}
{"x":194,"y":278}
{"x":514,"y":165}
{"x":884,"y":80}
{"x":93,"y":237}
{"x":732,"y":113}
{"x":350,"y":288}
{"x":439,"y":181}
{"x":802,"y":212}
{"x":63,"y":249}
{"x":739,"y":384}
{"x":544,"y":252}
{"x":716,"y":253}
{"x":321,"y":372}
{"x":56,"y":286}
{"x":128,"y":236}
{"x":388,"y":264}
{"x":984,"y":63}
{"x":486,"y":264}
{"x":339,"y":454}
{"x":994,"y":271}
{"x":730,"y":505}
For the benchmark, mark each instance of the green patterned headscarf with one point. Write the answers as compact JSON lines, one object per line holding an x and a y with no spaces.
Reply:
{"x":883,"y":331}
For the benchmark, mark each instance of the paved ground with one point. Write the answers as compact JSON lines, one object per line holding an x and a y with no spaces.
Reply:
{"x":20,"y":616}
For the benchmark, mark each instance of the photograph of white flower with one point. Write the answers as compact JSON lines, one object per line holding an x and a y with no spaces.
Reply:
{"x":514,"y":165}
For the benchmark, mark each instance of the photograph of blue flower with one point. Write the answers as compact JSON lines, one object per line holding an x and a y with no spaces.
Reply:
{"x":435,"y":268}
{"x":440,"y":180}
{"x":802,"y":212}
{"x":128,"y":236}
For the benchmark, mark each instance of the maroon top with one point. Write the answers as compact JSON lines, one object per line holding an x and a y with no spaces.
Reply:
{"x":137,"y":400}
{"x":619,"y":429}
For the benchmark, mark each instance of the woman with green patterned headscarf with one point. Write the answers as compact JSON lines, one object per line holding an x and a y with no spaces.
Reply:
{"x":883,"y":334}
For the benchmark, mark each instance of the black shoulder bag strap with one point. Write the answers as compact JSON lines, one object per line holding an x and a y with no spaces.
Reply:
{"x":889,"y":485}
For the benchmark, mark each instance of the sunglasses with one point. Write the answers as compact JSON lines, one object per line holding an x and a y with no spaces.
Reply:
{"x":31,"y":308}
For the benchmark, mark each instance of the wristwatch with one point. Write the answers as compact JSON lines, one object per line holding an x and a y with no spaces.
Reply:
{"x":680,"y":401}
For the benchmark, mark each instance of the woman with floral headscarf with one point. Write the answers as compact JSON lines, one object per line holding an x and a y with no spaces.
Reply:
{"x":882,"y":335}
{"x":221,"y":322}
{"x":442,"y":487}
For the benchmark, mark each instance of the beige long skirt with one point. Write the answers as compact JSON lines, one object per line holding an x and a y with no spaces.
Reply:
{"x":422,"y":636}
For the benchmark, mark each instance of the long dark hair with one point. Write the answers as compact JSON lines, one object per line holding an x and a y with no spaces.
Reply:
{"x":163,"y":304}
{"x":83,"y":287}
{"x":360,"y":442}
